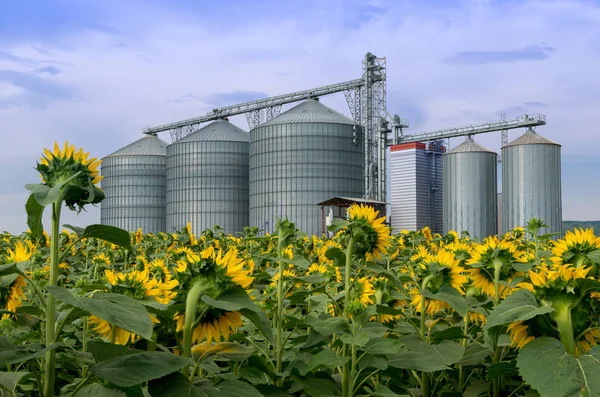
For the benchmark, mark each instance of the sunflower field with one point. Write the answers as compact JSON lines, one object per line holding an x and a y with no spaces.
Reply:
{"x":98,"y":311}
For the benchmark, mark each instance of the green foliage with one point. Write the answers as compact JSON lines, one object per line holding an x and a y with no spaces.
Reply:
{"x":561,"y":374}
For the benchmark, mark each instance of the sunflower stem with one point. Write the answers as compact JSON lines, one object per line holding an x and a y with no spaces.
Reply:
{"x":461,"y":368}
{"x":424,"y":380}
{"x":497,"y":272}
{"x":562,"y":316}
{"x":191,"y":304}
{"x":280,"y":297}
{"x":50,"y":300}
{"x":347,"y":381}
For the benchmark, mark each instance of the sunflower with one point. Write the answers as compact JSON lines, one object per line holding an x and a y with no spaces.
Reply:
{"x":432,"y":306}
{"x":72,"y":168}
{"x":574,"y":247}
{"x":11,"y":287}
{"x":217,"y":271}
{"x":587,"y":340}
{"x":372,"y":235}
{"x":139,"y":285}
{"x":519,"y":335}
{"x":122,"y":337}
{"x":213,"y":326}
{"x":486,"y":256}
{"x":12,"y":296}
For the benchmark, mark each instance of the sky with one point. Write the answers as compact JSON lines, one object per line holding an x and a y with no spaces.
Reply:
{"x":96,"y":73}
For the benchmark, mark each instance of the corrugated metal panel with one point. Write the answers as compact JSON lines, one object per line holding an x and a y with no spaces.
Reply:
{"x":416,"y":189}
{"x":294,"y":166}
{"x":310,"y":111}
{"x":531,"y":184}
{"x":499,"y":217}
{"x":530,"y":137}
{"x":219,"y":130}
{"x":207,"y":180}
{"x":147,"y":146}
{"x":470,"y":190}
{"x":134,"y":186}
{"x":470,"y":146}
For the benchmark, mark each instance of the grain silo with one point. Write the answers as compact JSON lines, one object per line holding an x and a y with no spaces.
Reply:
{"x":531,"y":182}
{"x":416,"y":186}
{"x":207,"y":179}
{"x":304,"y":156}
{"x":134,"y":186}
{"x":470,"y":190}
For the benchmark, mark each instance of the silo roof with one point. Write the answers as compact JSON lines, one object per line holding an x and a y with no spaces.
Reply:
{"x":149,"y":145}
{"x":218,"y":131}
{"x":530,"y":137}
{"x":470,"y":146}
{"x":310,"y":111}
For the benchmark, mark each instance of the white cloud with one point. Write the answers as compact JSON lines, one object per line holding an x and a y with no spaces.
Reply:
{"x":126,"y":79}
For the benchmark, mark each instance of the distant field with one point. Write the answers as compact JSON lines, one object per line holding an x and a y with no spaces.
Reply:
{"x":570,"y":225}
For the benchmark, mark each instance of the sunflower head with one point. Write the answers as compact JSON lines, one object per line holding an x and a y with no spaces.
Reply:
{"x":73,"y":170}
{"x":574,"y":247}
{"x":370,"y":233}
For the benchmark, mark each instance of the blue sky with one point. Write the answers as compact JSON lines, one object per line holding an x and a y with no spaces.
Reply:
{"x":98,"y":72}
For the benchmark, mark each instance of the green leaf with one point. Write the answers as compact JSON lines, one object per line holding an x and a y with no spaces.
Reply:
{"x":594,"y":256}
{"x":451,"y":296}
{"x":325,"y":358}
{"x":35,"y":212}
{"x":428,"y":358}
{"x":450,"y":333}
{"x":336,"y":255}
{"x":371,"y":361}
{"x":521,"y":305}
{"x":111,"y":234}
{"x":78,"y":230}
{"x":14,"y":354}
{"x":312,"y":279}
{"x":229,"y":350}
{"x":10,"y":268}
{"x":102,"y":351}
{"x":97,"y":390}
{"x":133,"y":369}
{"x":474,"y":354}
{"x":328,"y":325}
{"x":119,"y":310}
{"x":587,"y":285}
{"x":383,"y":391}
{"x":384,"y":346}
{"x":231,"y":388}
{"x":478,"y":388}
{"x":316,"y":386}
{"x":497,"y":370}
{"x":547,"y":367}
{"x":337,"y":224}
{"x":174,"y":385}
{"x":10,"y":380}
{"x":44,"y":194}
{"x":260,"y":321}
{"x":233,"y":299}
{"x":32,"y":310}
{"x":359,"y":340}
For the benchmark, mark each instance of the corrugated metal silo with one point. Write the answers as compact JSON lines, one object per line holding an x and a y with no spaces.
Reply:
{"x":207,"y":179}
{"x":304,"y":156}
{"x":531,"y":184}
{"x":470,"y":190}
{"x":416,"y":186}
{"x":134,"y":186}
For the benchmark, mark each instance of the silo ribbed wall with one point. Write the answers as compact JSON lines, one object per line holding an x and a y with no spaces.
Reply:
{"x":207,"y":181}
{"x":294,"y":166}
{"x":134,"y":188}
{"x":470,"y":193}
{"x":531,"y":183}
